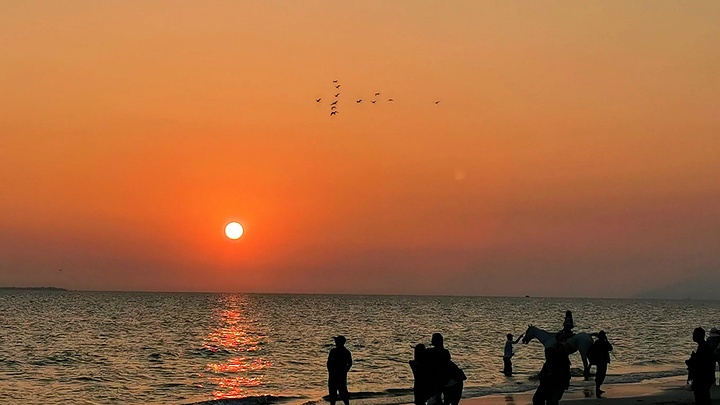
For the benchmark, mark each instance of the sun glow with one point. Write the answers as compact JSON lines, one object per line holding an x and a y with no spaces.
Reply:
{"x":233,"y":230}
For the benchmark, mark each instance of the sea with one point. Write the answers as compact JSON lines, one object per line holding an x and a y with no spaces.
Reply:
{"x":61,"y":347}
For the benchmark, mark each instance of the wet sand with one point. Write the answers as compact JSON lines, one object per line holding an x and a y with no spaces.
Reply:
{"x":662,"y":391}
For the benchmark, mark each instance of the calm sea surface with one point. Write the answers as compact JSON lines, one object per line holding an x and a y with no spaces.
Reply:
{"x":155,"y":348}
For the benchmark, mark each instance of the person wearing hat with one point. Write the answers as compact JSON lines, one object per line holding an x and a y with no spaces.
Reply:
{"x":599,"y":354}
{"x":338,"y":364}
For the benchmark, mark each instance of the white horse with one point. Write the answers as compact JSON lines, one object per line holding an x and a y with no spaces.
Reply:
{"x":580,"y":341}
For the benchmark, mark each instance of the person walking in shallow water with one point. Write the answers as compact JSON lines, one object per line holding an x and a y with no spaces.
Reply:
{"x":701,"y":368}
{"x":338,"y":364}
{"x":507,"y":356}
{"x":599,"y":354}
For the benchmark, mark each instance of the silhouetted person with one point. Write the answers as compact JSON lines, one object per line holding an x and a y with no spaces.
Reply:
{"x":439,"y":360}
{"x":338,"y":364}
{"x":421,"y":374}
{"x":599,"y":354}
{"x":447,"y":378}
{"x":568,"y":325}
{"x":452,"y":392}
{"x":554,"y":376}
{"x":714,"y":341}
{"x":701,"y":368}
{"x":507,"y":356}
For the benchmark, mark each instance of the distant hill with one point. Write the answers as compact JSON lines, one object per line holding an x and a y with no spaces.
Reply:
{"x":697,"y":287}
{"x":32,"y":289}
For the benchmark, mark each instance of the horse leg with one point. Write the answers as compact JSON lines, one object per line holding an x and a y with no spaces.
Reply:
{"x":586,"y":366}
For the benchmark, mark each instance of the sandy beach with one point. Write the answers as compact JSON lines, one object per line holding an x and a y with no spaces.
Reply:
{"x":670,"y":390}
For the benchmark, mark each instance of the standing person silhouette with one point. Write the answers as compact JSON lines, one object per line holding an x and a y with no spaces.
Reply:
{"x":601,"y":349}
{"x":701,"y":368}
{"x":338,"y":364}
{"x":714,"y":341}
{"x":439,"y":361}
{"x":554,"y":376}
{"x":452,"y":391}
{"x":421,"y":374}
{"x":507,"y":356}
{"x":446,"y":378}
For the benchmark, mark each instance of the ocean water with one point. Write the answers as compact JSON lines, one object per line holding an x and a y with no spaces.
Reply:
{"x":172,"y":348}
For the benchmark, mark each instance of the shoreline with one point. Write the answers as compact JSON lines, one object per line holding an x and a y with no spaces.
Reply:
{"x":656,"y":391}
{"x":661,"y":391}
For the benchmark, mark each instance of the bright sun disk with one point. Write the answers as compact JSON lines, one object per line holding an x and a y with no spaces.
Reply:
{"x":233,"y":230}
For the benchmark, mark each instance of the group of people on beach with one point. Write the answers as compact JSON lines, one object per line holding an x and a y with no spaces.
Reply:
{"x":439,"y":381}
{"x":555,"y":373}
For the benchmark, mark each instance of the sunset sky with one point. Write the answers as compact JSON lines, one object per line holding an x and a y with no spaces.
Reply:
{"x":575,"y":150}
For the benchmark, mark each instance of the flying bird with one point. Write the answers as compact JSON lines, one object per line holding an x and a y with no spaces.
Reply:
{"x":337,"y":86}
{"x":437,"y":102}
{"x":373,"y":101}
{"x":359,"y":101}
{"x":334,"y":81}
{"x":332,"y":107}
{"x":333,"y":112}
{"x":390,"y":99}
{"x":334,"y":102}
{"x":317,"y":100}
{"x":337,"y":94}
{"x":377,"y":94}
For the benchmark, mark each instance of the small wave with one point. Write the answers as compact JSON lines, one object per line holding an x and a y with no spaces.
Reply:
{"x":637,"y":377}
{"x":256,"y":400}
{"x":63,"y":358}
{"x":160,"y":357}
{"x":171,"y":385}
{"x":391,"y":392}
{"x":399,"y":391}
{"x":9,"y":362}
{"x":649,"y":362}
{"x":205,"y":352}
{"x":89,"y":379}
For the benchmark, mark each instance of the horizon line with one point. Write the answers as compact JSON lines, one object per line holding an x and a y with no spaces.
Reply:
{"x":63,"y":289}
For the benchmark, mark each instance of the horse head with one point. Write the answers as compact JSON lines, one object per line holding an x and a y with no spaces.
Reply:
{"x":529,"y":334}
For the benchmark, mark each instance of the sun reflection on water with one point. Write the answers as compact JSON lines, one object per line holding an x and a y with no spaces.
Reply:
{"x":233,"y":335}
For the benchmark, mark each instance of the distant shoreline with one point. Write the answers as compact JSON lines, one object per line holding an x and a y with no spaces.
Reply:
{"x":34,"y":288}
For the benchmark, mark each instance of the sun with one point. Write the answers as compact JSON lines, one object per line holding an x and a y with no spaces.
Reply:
{"x":233,"y":230}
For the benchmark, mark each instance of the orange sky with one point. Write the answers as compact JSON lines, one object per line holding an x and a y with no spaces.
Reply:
{"x":574,"y":151}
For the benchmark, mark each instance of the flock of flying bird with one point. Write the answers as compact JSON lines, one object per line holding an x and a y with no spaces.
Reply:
{"x":334,"y":104}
